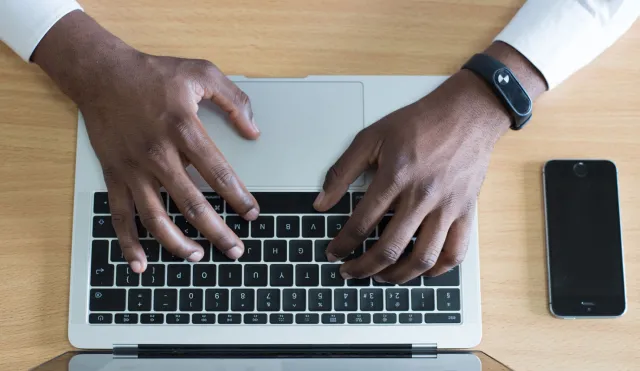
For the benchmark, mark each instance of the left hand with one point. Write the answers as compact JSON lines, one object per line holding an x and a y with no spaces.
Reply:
{"x":430,"y":158}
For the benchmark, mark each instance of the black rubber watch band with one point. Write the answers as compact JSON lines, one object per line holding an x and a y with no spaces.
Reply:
{"x":505,"y":85}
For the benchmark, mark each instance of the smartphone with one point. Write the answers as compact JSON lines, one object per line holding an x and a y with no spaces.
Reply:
{"x":584,"y":239}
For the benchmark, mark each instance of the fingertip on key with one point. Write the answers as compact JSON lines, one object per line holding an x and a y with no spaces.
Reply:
{"x":196,"y":256}
{"x":235,"y":252}
{"x":136,"y":266}
{"x":252,"y":214}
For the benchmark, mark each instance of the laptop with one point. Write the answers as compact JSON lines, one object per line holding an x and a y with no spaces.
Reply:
{"x":282,"y":292}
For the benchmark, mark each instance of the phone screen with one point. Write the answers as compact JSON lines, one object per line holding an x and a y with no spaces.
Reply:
{"x":584,"y":238}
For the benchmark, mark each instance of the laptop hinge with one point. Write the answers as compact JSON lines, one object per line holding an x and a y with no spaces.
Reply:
{"x":276,"y":351}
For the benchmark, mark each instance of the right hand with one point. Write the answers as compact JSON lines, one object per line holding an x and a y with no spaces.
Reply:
{"x":141,"y":116}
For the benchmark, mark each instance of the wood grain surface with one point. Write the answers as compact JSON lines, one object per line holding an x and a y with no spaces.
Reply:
{"x":594,"y":114}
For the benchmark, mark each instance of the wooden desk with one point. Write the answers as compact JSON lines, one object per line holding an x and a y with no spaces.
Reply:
{"x":594,"y":114}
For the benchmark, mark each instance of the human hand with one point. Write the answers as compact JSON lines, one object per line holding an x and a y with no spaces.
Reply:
{"x":141,"y":116}
{"x":430,"y":159}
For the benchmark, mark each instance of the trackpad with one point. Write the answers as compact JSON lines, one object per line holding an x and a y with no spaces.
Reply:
{"x":305,"y":127}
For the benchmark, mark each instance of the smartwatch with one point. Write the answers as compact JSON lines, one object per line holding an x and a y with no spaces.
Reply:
{"x":505,"y":85}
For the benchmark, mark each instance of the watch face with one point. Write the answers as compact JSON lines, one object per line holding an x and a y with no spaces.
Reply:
{"x":513,"y":92}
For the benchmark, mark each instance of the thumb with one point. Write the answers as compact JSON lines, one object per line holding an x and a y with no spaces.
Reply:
{"x":231,"y":99}
{"x":353,"y":162}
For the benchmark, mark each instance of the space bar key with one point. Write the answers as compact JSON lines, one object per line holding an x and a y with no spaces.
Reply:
{"x":296,"y":203}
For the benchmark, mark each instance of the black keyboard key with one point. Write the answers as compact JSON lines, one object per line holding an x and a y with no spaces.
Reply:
{"x":255,"y":275}
{"x":206,"y":247}
{"x":281,"y":318}
{"x":185,"y":226}
{"x":102,"y":227}
{"x":296,"y":203}
{"x":422,"y":299}
{"x":204,"y":275}
{"x":268,"y":300}
{"x":356,"y":197}
{"x":371,"y":300}
{"x":275,"y":251}
{"x":368,"y":244}
{"x":397,"y":300}
{"x":173,"y":208}
{"x":281,"y":275}
{"x":125,"y":276}
{"x":218,"y":256}
{"x":191,"y":300}
{"x":107,"y":300}
{"x":359,"y":318}
{"x":345,"y":300}
{"x":294,"y":300}
{"x":255,"y":318}
{"x":238,"y":225}
{"x":101,"y":203}
{"x":100,"y":318}
{"x":126,"y":318}
{"x":168,"y":257}
{"x":335,"y":225}
{"x":320,"y":300}
{"x":165,"y":300}
{"x":355,"y":254}
{"x":116,"y":252}
{"x":407,"y":251}
{"x":165,"y":199}
{"x":203,"y":319}
{"x":215,"y":200}
{"x":313,"y":226}
{"x":383,"y":224}
{"x":262,"y":227}
{"x":333,"y":318}
{"x":142,"y":231}
{"x":413,"y":282}
{"x":307,"y":318}
{"x":252,"y":251}
{"x":216,"y":300}
{"x":450,"y":278}
{"x":442,"y":318}
{"x":101,"y":270}
{"x":177,"y":319}
{"x":230,"y":319}
{"x":385,"y":318}
{"x":139,"y":300}
{"x":331,"y":275}
{"x":359,"y":282}
{"x":151,"y":249}
{"x":307,"y":275}
{"x":154,"y":275}
{"x":448,"y":299}
{"x":242,"y":300}
{"x":288,"y":226}
{"x":152,"y":318}
{"x":230,"y":275}
{"x":300,"y":251}
{"x":320,"y":250}
{"x":410,"y":318}
{"x":178,"y":275}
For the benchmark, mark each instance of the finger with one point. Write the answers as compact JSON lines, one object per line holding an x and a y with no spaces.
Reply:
{"x":388,"y":249}
{"x":353,"y":162}
{"x":365,"y":217}
{"x":424,"y":255}
{"x":229,"y":97}
{"x":214,"y":168}
{"x":123,"y":220}
{"x":197,"y":210}
{"x":153,"y":216}
{"x":455,"y":246}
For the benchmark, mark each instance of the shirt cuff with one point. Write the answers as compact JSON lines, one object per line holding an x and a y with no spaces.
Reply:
{"x":23,"y":23}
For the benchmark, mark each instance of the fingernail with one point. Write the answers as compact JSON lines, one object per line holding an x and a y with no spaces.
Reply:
{"x":345,"y":275}
{"x":252,"y":214}
{"x":136,"y":266}
{"x":318,"y":202}
{"x":255,"y":126}
{"x":235,"y":252}
{"x":332,"y":258}
{"x":379,"y":279}
{"x":196,"y":256}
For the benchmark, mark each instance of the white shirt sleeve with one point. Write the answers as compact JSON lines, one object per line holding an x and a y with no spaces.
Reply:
{"x":23,"y":23}
{"x":561,"y":36}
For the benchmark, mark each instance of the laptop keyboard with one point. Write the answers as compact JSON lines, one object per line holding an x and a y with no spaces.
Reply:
{"x":283,"y":277}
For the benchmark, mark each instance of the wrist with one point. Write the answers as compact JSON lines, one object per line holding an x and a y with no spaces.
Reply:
{"x":79,"y":55}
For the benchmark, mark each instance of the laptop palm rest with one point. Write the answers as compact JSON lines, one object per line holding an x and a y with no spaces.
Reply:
{"x":305,"y":126}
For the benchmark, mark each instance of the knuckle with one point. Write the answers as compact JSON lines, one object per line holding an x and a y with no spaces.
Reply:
{"x":222,"y":175}
{"x":224,"y":242}
{"x":452,"y":260}
{"x":110,"y":177}
{"x":389,"y":255}
{"x":155,"y":152}
{"x":426,"y":261}
{"x":119,"y":219}
{"x":195,"y":209}
{"x":130,"y":163}
{"x":153,"y":220}
{"x":333,"y":175}
{"x":241,"y":99}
